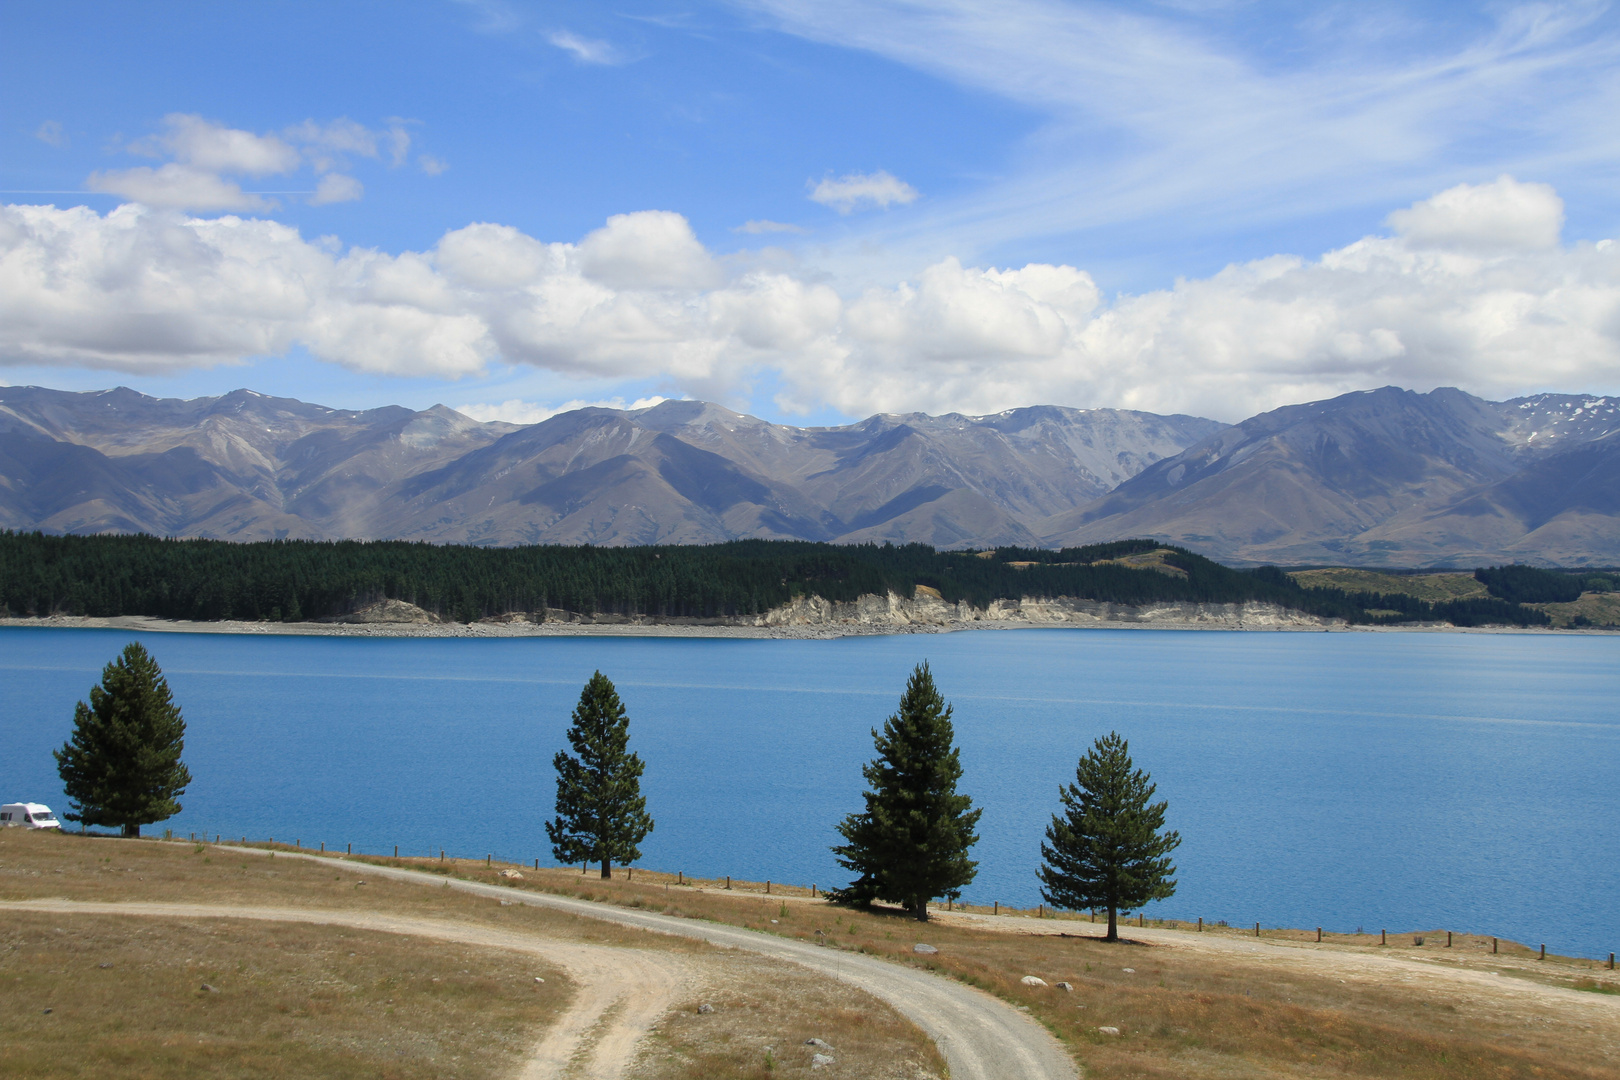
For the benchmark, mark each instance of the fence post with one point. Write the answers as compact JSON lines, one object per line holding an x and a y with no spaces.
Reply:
{"x":489,"y":861}
{"x":1256,"y":929}
{"x":767,"y":886}
{"x":680,"y":877}
{"x":997,"y":909}
{"x":728,"y":881}
{"x":1544,"y":950}
{"x":1611,"y":961}
{"x":323,"y":847}
{"x":1318,"y":935}
{"x":1200,"y":924}
{"x":630,"y":873}
{"x":1448,"y":939}
{"x":812,"y":890}
{"x":1493,"y":946}
{"x":396,"y":851}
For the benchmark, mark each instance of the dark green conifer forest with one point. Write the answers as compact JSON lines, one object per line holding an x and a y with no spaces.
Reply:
{"x":294,"y":580}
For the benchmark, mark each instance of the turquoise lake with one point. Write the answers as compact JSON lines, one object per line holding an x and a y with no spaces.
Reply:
{"x":1407,"y":781}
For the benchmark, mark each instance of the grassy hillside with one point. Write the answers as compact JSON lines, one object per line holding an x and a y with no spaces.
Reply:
{"x":1431,"y":587}
{"x":1188,"y":1005}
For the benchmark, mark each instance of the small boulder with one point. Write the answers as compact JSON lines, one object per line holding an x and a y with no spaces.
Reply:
{"x":103,"y":966}
{"x":207,"y":989}
{"x":1128,"y":971}
{"x":820,"y":1060}
{"x":1067,"y":988}
{"x":1031,"y":980}
{"x":705,"y":1008}
{"x":538,"y":979}
{"x":511,"y":875}
{"x":817,"y":1043}
{"x":1108,"y":1031}
{"x":921,"y":948}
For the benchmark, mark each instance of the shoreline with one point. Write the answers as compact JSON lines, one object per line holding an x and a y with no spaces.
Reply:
{"x":633,"y":628}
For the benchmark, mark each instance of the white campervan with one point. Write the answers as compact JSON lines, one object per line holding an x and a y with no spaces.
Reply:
{"x":29,"y":815}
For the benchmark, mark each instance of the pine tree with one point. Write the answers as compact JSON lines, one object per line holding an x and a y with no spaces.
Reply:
{"x":122,"y":764}
{"x":1106,"y":850}
{"x":911,"y":843}
{"x":601,"y":813}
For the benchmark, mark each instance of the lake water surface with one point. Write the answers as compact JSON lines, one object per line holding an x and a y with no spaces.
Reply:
{"x":1399,"y":780}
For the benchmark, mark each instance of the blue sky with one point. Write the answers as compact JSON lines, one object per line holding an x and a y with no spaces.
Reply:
{"x":1209,"y":207}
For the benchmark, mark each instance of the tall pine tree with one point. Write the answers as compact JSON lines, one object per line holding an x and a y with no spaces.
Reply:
{"x":911,"y":843}
{"x":1106,"y":850}
{"x":601,"y":813}
{"x":122,"y":764}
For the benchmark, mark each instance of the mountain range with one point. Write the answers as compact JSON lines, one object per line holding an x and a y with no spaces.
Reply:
{"x":1382,"y":477}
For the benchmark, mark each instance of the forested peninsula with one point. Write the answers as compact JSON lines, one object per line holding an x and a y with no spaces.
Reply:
{"x":300,"y":580}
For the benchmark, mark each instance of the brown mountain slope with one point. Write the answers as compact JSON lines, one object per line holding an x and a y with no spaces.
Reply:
{"x":1386,"y":477}
{"x":245,"y":466}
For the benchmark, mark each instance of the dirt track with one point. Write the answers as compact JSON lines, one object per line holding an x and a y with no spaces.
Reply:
{"x":622,"y":992}
{"x":980,"y":1036}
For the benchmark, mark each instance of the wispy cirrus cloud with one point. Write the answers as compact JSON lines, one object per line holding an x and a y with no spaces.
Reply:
{"x":588,"y":50}
{"x":1190,"y":118}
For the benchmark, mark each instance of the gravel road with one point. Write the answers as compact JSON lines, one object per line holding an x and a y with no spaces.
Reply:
{"x":981,"y":1036}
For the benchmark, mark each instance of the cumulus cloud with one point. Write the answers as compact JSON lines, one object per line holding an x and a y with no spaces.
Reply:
{"x":207,"y":157}
{"x":176,"y":186}
{"x":586,"y":50}
{"x":655,"y":249}
{"x":336,"y":188}
{"x":206,"y":146}
{"x":1502,"y":216}
{"x":757,"y":228}
{"x":431,"y":165}
{"x":856,"y":191}
{"x":1465,"y":291}
{"x":518,"y":411}
{"x":51,"y":134}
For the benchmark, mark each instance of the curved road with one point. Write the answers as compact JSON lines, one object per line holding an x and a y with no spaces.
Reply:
{"x":980,"y":1036}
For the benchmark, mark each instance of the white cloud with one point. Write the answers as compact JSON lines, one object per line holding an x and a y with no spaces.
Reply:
{"x":1485,"y":217}
{"x":51,"y":134}
{"x":653,"y":249}
{"x":1465,"y":292}
{"x":586,"y":50}
{"x":858,"y":190}
{"x":336,"y":188}
{"x":517,"y":411}
{"x":431,"y":165}
{"x":175,"y":186}
{"x":209,"y":147}
{"x":207,"y":156}
{"x":756,"y":228}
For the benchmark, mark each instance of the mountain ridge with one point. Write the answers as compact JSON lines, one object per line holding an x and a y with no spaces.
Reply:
{"x":1378,"y":477}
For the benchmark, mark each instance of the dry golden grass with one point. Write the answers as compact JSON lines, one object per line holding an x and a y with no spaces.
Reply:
{"x":126,"y":998}
{"x":1188,"y":1014}
{"x":1430,"y":587}
{"x":1598,"y":609}
{"x":764,"y":1013}
{"x":335,"y":1029}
